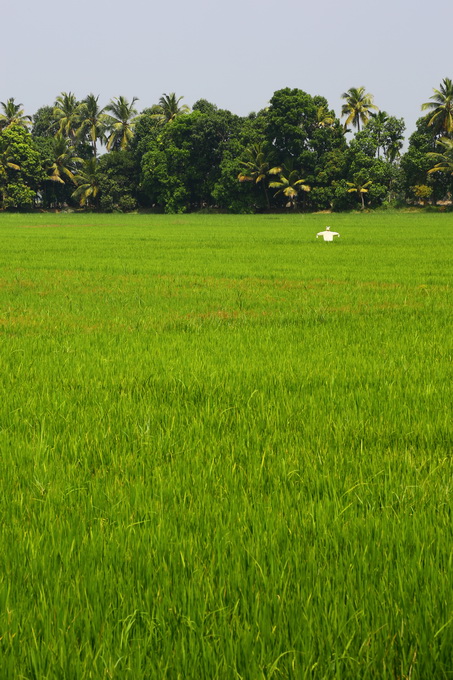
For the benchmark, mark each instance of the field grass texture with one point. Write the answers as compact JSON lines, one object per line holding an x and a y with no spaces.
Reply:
{"x":226,"y":447}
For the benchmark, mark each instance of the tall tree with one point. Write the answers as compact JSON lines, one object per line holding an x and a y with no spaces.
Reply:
{"x":441,"y":108}
{"x":67,"y":113}
{"x":64,"y":161}
{"x":21,"y":169}
{"x":358,"y":107}
{"x":13,"y":114}
{"x":289,"y":124}
{"x":121,"y":122}
{"x":182,"y":164}
{"x":292,"y":126}
{"x":93,"y":121}
{"x":87,"y":181}
{"x":168,"y":108}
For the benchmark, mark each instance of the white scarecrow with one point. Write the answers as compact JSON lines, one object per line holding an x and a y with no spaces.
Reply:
{"x":327,"y":234}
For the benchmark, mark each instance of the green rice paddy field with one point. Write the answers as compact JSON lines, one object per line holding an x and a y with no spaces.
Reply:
{"x":226,"y":447}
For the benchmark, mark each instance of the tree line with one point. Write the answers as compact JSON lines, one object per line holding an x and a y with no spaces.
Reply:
{"x":292,"y":155}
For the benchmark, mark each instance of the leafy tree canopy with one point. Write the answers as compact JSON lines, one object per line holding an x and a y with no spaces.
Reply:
{"x":21,"y":170}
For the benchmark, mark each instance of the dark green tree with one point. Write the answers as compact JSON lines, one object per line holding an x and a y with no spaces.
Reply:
{"x":182,"y":164}
{"x":416,"y":163}
{"x":242,"y":196}
{"x":330,"y":169}
{"x":293,"y":126}
{"x":371,"y":157}
{"x":290,"y":120}
{"x":386,"y":133}
{"x":118,"y":181}
{"x":21,"y":170}
{"x":44,"y":122}
{"x":204,"y":106}
{"x":229,"y":194}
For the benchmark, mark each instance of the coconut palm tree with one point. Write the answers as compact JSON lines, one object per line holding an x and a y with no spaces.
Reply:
{"x":358,"y":107}
{"x":258,"y":164}
{"x":444,"y":158}
{"x":87,"y":183}
{"x":13,"y":114}
{"x":121,"y":123}
{"x":93,"y":121}
{"x":324,"y":118}
{"x":168,"y":108}
{"x":289,"y":184}
{"x":67,"y":113}
{"x":360,"y":189}
{"x":64,"y":161}
{"x":441,"y":108}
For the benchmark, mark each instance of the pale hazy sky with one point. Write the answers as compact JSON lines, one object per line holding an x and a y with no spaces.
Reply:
{"x":234,"y":53}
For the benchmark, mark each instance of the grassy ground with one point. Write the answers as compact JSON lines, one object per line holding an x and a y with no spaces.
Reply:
{"x":226,"y":447}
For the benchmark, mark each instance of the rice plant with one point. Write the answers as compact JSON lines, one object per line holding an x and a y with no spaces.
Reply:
{"x":226,"y":447}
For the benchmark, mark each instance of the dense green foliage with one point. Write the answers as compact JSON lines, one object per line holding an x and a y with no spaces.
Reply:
{"x":20,"y":167}
{"x":226,"y":447}
{"x":177,"y":160}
